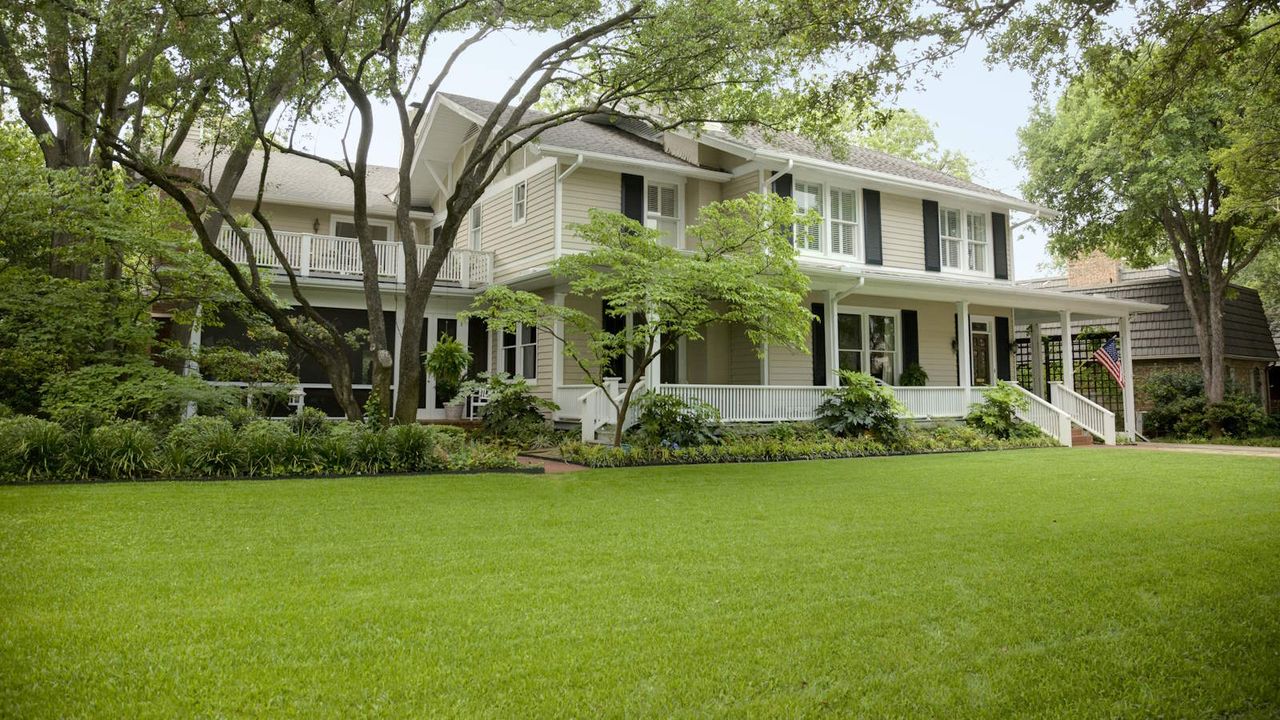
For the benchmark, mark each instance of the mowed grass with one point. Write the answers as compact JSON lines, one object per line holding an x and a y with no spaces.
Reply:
{"x":1047,"y":583}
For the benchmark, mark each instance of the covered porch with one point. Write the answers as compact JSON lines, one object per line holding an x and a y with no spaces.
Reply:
{"x":905,"y":331}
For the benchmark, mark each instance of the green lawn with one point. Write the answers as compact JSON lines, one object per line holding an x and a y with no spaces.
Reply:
{"x":1049,"y":583}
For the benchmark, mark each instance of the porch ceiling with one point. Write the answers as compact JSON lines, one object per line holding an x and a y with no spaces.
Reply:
{"x":1029,"y":304}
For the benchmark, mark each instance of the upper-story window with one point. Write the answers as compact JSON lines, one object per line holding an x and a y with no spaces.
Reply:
{"x":474,"y":225}
{"x":346,"y":227}
{"x":808,"y":196}
{"x":662,"y":210}
{"x":519,"y":195}
{"x":963,"y":240}
{"x":844,"y":222}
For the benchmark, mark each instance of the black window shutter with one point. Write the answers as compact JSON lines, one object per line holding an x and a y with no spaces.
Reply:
{"x":932,"y":251}
{"x":910,"y":339}
{"x":614,"y":324}
{"x":819,"y":343}
{"x":956,"y":347}
{"x":871,"y":213}
{"x":1003,"y":371}
{"x":1000,"y":245}
{"x":782,"y":186}
{"x":633,"y":197}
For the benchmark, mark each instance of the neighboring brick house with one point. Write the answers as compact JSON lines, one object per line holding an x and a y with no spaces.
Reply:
{"x":1166,"y":339}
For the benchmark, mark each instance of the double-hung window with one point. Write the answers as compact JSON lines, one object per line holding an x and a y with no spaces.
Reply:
{"x":475,"y":227}
{"x":844,"y":222}
{"x":963,"y":240}
{"x":868,"y":343}
{"x":518,"y":202}
{"x":808,"y":196}
{"x":520,"y":352}
{"x":662,"y":211}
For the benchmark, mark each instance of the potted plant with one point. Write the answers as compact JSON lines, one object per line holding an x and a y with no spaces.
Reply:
{"x":447,"y":362}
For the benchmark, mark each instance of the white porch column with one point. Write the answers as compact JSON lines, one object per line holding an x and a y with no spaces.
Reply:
{"x":1037,"y":361}
{"x":963,"y":353}
{"x":1126,"y":368}
{"x":653,"y":373}
{"x":1068,"y":354}
{"x":192,"y":366}
{"x":764,"y":366}
{"x":830,"y":326}
{"x":557,"y":347}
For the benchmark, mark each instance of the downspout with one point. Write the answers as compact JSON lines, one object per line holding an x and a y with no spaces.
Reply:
{"x":559,"y":222}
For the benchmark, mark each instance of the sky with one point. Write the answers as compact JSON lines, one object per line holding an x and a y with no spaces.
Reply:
{"x":975,"y":109}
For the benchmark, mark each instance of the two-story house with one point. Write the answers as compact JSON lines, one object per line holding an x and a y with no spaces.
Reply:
{"x":908,"y":265}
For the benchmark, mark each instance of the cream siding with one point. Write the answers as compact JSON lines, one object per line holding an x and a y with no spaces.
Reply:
{"x":902,"y":231}
{"x":744,"y":364}
{"x":585,"y":189}
{"x":741,"y":186}
{"x":521,"y":247}
{"x":573,"y":375}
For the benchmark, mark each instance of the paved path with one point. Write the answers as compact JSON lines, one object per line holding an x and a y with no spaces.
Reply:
{"x":1271,"y":452}
{"x":549,"y":465}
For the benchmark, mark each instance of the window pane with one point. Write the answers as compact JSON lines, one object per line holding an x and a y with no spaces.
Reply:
{"x":379,"y":232}
{"x":850,"y":360}
{"x":530,"y":358}
{"x":951,"y":253}
{"x":950,"y":225}
{"x":508,"y":339}
{"x":849,"y":332}
{"x":344,"y":229}
{"x":976,"y":226}
{"x":880,"y":328}
{"x":528,"y":334}
{"x":509,"y":360}
{"x":882,"y":366}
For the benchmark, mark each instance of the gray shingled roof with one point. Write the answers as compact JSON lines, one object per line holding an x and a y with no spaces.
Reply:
{"x":584,"y":136}
{"x":859,"y":158}
{"x":1171,"y":332}
{"x":295,"y":180}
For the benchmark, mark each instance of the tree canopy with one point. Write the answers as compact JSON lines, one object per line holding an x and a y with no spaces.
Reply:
{"x":908,"y":134}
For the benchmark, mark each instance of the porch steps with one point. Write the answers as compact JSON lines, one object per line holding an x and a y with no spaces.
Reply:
{"x":1080,"y":436}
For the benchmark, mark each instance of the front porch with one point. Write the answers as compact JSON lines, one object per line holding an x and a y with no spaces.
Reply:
{"x":883,"y":326}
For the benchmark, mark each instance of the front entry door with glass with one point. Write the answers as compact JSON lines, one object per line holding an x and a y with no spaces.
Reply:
{"x":981,"y":332}
{"x":472,"y":334}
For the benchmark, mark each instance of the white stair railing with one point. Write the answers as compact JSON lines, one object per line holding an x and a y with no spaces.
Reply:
{"x":1084,"y":412}
{"x":597,"y":411}
{"x":1054,"y":421}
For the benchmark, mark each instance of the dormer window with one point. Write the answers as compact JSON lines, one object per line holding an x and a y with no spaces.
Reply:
{"x":662,"y":211}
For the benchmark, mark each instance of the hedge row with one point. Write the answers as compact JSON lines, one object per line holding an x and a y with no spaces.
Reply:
{"x":35,"y":450}
{"x":764,"y":448}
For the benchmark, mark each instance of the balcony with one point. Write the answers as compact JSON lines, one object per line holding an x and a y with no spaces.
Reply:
{"x":339,"y":257}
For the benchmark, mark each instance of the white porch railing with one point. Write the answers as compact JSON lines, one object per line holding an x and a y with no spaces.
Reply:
{"x":753,"y":403}
{"x":596,"y":410}
{"x":329,"y":255}
{"x":937,"y":401}
{"x":566,"y":396}
{"x":1085,"y":412}
{"x":1054,"y":421}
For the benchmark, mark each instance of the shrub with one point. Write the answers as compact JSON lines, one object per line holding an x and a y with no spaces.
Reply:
{"x":673,"y":422}
{"x":914,"y":376}
{"x":311,"y":422}
{"x":413,"y":448}
{"x":267,"y":447}
{"x":124,"y":450}
{"x":997,"y":413}
{"x":31,"y":448}
{"x":513,"y":413}
{"x":132,"y":391}
{"x":240,"y":415}
{"x":1238,"y":416}
{"x":202,"y":446}
{"x":797,"y":431}
{"x":1179,"y":409}
{"x":861,"y":406}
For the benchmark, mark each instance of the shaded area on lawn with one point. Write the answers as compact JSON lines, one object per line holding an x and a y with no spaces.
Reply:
{"x":1100,"y":583}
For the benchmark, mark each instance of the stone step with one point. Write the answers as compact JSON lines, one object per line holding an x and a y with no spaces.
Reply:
{"x":1080,"y":436}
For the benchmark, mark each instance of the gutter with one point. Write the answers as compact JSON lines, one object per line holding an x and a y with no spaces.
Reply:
{"x":769,"y":183}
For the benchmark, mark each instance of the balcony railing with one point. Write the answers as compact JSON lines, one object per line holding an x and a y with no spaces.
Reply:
{"x":331,"y":256}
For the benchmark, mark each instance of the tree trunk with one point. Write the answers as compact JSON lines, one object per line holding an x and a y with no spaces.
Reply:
{"x":417,"y":294}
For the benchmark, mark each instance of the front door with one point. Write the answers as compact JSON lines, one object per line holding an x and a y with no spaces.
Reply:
{"x":431,"y":403}
{"x":980,"y":344}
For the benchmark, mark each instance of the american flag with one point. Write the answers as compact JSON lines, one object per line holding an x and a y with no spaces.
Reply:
{"x":1109,"y":356}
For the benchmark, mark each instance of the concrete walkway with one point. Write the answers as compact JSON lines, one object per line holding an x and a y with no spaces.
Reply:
{"x":549,"y":465}
{"x":1271,"y":452}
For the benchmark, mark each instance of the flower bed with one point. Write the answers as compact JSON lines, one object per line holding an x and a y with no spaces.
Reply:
{"x":35,"y":450}
{"x":770,"y":448}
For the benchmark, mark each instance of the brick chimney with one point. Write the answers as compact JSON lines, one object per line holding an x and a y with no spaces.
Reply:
{"x":1092,"y":270}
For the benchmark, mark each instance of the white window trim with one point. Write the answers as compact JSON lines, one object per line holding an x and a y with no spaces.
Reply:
{"x":388,"y":224}
{"x":475,"y":230}
{"x":678,"y":184}
{"x":824,"y":232}
{"x":864,"y":312}
{"x":523,"y":204}
{"x":518,"y":370}
{"x":963,"y":259}
{"x":825,"y":247}
{"x":991,"y":346}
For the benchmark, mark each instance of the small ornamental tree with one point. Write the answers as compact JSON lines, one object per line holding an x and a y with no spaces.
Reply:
{"x":739,"y":269}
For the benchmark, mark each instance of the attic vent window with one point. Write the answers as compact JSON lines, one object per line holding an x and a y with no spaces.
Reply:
{"x":471,"y":132}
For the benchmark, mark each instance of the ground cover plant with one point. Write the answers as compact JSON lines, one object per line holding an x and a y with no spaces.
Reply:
{"x":1054,"y":583}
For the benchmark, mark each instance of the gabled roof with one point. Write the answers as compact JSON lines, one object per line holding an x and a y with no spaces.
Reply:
{"x":583,"y":136}
{"x":294,"y":180}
